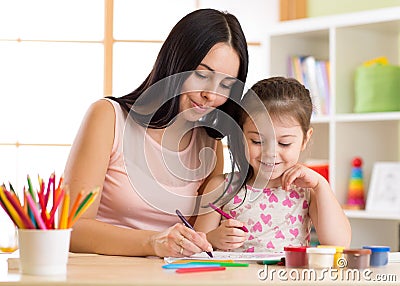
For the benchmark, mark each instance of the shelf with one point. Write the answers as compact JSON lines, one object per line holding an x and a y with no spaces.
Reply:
{"x":376,"y":116}
{"x":347,"y":41}
{"x":320,"y":119}
{"x":313,"y":26}
{"x":363,"y":214}
{"x":357,"y":117}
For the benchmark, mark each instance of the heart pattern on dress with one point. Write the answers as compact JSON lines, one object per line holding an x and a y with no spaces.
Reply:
{"x":250,"y":249}
{"x":294,"y":194}
{"x":237,"y":200}
{"x":294,"y":231}
{"x":287,"y":202}
{"x":266,"y":218}
{"x":270,"y":245}
{"x":279,"y":234}
{"x":273,"y":198}
{"x":257,"y":227}
{"x":274,"y":219}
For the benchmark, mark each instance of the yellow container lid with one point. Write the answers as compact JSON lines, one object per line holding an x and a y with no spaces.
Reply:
{"x":339,"y":249}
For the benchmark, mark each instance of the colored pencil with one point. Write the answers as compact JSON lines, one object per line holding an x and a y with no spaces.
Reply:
{"x":29,"y":211}
{"x":199,"y":269}
{"x":12,"y":213}
{"x":84,"y":208}
{"x":43,"y":212}
{"x":32,"y":214}
{"x":83,"y":203}
{"x":46,"y":197}
{"x":77,"y":202}
{"x":187,"y":265}
{"x":187,"y":224}
{"x":30,"y":188}
{"x":6,"y":210}
{"x":25,"y":203}
{"x":64,"y":212}
{"x":225,"y":215}
{"x":12,"y":189}
{"x":55,"y":206}
{"x":24,"y":217}
{"x":33,"y":207}
{"x":224,"y":264}
{"x":181,"y":261}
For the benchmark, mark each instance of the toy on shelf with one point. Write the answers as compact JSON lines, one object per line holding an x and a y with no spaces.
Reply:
{"x":355,"y":196}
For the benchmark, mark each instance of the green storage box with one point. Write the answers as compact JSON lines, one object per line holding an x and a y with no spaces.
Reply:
{"x":377,"y":88}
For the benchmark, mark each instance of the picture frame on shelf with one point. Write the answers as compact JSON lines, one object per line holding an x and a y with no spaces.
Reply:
{"x":384,"y":188}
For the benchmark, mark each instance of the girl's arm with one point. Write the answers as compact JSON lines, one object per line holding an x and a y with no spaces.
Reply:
{"x":226,"y":235}
{"x":85,"y":169}
{"x":330,"y":222}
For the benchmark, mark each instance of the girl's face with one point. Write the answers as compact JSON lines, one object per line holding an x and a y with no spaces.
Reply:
{"x":210,"y":84}
{"x":271,"y":150}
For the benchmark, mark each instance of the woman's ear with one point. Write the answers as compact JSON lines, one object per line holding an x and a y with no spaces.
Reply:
{"x":307,"y":138}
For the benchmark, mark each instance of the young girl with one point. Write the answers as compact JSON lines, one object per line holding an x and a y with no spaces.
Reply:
{"x":277,"y":198}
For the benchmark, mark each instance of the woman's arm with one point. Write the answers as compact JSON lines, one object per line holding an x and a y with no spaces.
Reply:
{"x":85,"y":169}
{"x":330,"y":222}
{"x":218,"y":170}
{"x":219,"y":166}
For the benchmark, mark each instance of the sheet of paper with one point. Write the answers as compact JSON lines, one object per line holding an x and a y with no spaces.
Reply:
{"x":237,"y":256}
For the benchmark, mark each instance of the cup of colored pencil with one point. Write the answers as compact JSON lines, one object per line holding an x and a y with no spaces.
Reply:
{"x":43,"y":239}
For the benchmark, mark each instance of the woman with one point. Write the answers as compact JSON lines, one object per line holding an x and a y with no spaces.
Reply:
{"x":125,"y":145}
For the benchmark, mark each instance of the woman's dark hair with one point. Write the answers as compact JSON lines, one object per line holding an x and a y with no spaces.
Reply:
{"x":183,"y":50}
{"x":283,"y":98}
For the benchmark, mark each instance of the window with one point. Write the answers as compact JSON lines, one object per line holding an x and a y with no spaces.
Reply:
{"x":59,"y":56}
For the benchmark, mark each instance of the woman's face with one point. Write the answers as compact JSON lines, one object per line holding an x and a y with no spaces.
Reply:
{"x":210,"y":84}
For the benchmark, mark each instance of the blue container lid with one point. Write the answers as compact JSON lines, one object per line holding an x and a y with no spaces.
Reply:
{"x":377,"y":248}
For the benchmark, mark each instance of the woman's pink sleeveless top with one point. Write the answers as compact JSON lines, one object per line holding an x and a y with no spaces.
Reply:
{"x":145,"y":183}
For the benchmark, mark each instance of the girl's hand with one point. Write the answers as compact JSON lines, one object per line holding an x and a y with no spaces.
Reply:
{"x":179,"y":241}
{"x":227,"y":235}
{"x":301,"y":176}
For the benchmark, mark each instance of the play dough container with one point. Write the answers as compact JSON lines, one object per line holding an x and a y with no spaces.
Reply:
{"x":357,"y":258}
{"x":320,"y":257}
{"x":338,"y":255}
{"x":296,"y":256}
{"x":379,"y":255}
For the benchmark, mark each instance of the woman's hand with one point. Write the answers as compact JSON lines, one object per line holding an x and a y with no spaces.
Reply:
{"x":179,"y":241}
{"x":228,"y":235}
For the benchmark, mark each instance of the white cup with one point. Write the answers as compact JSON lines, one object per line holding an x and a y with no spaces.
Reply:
{"x":44,"y":252}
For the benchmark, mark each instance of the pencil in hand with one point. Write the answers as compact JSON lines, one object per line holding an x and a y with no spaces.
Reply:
{"x":225,"y":215}
{"x":187,"y":224}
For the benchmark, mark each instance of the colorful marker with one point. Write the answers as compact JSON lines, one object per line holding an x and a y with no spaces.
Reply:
{"x":225,"y":215}
{"x":199,"y":269}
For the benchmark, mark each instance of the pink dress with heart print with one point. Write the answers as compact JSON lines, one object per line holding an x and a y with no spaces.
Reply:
{"x":274,"y":217}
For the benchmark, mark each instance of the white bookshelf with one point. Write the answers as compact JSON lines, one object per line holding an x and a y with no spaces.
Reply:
{"x":347,"y":41}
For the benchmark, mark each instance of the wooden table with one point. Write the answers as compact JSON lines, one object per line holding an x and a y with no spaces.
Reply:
{"x":91,"y":269}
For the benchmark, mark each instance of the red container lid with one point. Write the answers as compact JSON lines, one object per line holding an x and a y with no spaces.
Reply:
{"x":295,"y":248}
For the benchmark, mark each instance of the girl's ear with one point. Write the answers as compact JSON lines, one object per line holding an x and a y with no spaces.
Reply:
{"x":307,"y":139}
